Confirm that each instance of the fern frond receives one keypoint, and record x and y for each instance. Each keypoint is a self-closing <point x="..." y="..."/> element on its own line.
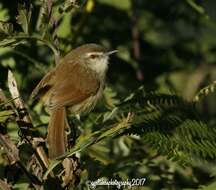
<point x="178" y="140"/>
<point x="153" y="99"/>
<point x="170" y="125"/>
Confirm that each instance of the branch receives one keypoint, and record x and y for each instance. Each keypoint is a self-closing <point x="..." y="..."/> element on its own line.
<point x="19" y="104"/>
<point x="25" y="117"/>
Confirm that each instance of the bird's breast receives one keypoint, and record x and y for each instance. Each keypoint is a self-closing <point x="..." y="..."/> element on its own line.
<point x="88" y="104"/>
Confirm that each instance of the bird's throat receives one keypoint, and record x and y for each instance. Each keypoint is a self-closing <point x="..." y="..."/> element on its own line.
<point x="100" y="67"/>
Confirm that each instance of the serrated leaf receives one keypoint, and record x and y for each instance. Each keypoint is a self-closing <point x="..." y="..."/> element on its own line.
<point x="68" y="6"/>
<point x="44" y="16"/>
<point x="6" y="29"/>
<point x="24" y="18"/>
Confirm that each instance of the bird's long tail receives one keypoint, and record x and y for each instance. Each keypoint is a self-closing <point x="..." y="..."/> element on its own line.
<point x="56" y="132"/>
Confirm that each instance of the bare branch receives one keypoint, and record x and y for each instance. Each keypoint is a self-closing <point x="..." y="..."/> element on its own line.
<point x="24" y="116"/>
<point x="19" y="104"/>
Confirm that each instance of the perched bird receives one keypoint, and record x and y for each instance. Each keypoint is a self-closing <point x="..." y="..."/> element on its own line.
<point x="77" y="83"/>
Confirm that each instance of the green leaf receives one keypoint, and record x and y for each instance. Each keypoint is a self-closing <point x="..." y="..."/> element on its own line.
<point x="6" y="29"/>
<point x="19" y="186"/>
<point x="100" y="152"/>
<point x="84" y="141"/>
<point x="196" y="7"/>
<point x="4" y="16"/>
<point x="24" y="18"/>
<point x="44" y="17"/>
<point x="8" y="42"/>
<point x="120" y="4"/>
<point x="4" y="115"/>
<point x="63" y="30"/>
<point x="110" y="115"/>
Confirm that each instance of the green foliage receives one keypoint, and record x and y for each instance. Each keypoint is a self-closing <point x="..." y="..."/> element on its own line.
<point x="154" y="122"/>
<point x="4" y="115"/>
<point x="24" y="18"/>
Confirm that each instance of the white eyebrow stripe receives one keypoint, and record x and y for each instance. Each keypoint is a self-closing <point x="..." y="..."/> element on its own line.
<point x="94" y="53"/>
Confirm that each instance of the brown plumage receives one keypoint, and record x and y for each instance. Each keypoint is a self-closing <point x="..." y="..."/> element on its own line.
<point x="76" y="83"/>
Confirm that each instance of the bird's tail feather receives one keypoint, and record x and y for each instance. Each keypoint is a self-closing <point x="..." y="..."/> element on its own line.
<point x="56" y="133"/>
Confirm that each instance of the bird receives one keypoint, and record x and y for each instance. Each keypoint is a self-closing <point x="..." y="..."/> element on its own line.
<point x="76" y="83"/>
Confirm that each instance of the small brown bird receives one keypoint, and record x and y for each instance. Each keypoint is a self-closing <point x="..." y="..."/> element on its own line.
<point x="76" y="82"/>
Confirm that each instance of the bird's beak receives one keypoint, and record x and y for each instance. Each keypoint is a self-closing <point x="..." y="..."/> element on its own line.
<point x="111" y="52"/>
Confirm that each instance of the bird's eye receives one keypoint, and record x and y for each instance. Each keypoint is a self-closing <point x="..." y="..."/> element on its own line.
<point x="93" y="56"/>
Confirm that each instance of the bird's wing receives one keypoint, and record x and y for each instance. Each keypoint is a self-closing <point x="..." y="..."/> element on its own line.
<point x="73" y="86"/>
<point x="44" y="85"/>
<point x="49" y="79"/>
